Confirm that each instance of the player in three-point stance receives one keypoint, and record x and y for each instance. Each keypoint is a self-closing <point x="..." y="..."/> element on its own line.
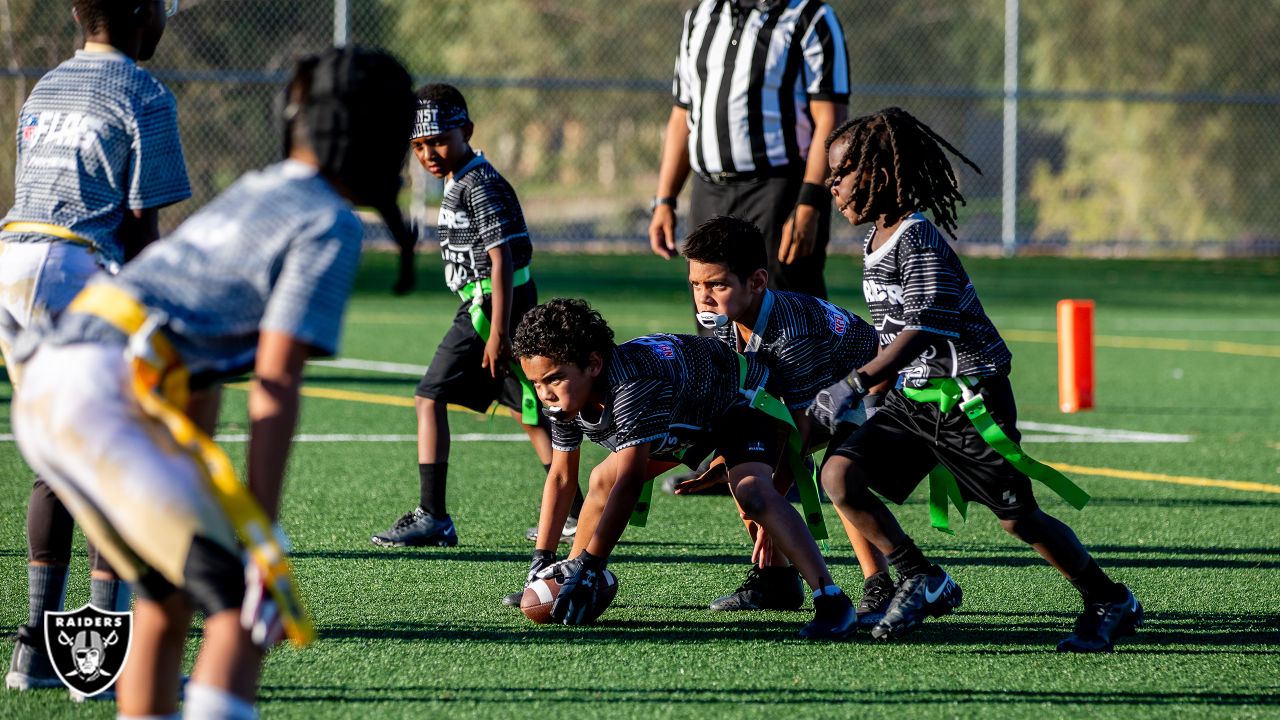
<point x="807" y="343"/>
<point x="953" y="406"/>
<point x="256" y="280"/>
<point x="487" y="255"/>
<point x="97" y="156"/>
<point x="654" y="402"/>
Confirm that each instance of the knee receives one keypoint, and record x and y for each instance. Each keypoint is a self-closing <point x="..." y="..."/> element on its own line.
<point x="1026" y="528"/>
<point x="842" y="481"/>
<point x="751" y="494"/>
<point x="600" y="484"/>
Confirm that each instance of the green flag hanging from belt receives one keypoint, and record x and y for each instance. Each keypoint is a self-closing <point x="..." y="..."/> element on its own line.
<point x="950" y="392"/>
<point x="475" y="292"/>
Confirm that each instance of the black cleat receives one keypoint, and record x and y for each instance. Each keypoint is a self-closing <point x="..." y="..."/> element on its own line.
<point x="513" y="599"/>
<point x="417" y="529"/>
<point x="877" y="592"/>
<point x="918" y="597"/>
<point x="1101" y="624"/>
<point x="29" y="666"/>
<point x="833" y="618"/>
<point x="566" y="535"/>
<point x="771" y="588"/>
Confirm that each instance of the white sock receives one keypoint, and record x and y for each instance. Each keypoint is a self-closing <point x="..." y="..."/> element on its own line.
<point x="206" y="702"/>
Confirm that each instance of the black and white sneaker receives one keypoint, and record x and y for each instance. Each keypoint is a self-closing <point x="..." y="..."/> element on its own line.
<point x="566" y="535"/>
<point x="1101" y="624"/>
<point x="418" y="529"/>
<point x="771" y="588"/>
<point x="877" y="592"/>
<point x="29" y="666"/>
<point x="833" y="618"/>
<point x="918" y="597"/>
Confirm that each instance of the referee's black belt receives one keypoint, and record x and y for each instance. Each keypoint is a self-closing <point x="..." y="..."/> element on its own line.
<point x="730" y="178"/>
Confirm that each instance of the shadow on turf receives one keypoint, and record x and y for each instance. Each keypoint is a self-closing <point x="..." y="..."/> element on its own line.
<point x="759" y="696"/>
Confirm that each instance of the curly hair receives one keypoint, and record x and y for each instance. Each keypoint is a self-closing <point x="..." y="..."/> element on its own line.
<point x="115" y="16"/>
<point x="910" y="153"/>
<point x="727" y="240"/>
<point x="563" y="330"/>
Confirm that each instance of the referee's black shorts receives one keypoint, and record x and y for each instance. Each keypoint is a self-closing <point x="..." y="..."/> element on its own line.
<point x="905" y="439"/>
<point x="455" y="374"/>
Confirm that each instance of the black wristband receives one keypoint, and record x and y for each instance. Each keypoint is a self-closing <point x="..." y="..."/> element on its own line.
<point x="813" y="195"/>
<point x="667" y="200"/>
<point x="855" y="381"/>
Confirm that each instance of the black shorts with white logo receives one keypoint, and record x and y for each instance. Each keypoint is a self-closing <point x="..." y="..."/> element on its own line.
<point x="455" y="374"/>
<point x="906" y="439"/>
<point x="741" y="435"/>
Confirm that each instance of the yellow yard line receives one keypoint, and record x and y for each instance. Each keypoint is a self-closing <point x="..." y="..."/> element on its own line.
<point x="1162" y="478"/>
<point x="1154" y="343"/>
<point x="348" y="395"/>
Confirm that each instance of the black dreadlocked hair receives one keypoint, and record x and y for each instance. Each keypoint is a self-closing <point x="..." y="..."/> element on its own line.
<point x="565" y="331"/>
<point x="910" y="154"/>
<point x="727" y="240"/>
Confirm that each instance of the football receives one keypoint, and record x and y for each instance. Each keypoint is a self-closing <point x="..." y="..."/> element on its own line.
<point x="541" y="594"/>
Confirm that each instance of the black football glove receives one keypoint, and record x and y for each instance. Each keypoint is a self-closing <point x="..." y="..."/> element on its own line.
<point x="542" y="559"/>
<point x="577" y="596"/>
<point x="836" y="400"/>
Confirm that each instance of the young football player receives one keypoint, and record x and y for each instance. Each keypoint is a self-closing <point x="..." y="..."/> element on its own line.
<point x="97" y="156"/>
<point x="807" y="343"/>
<point x="486" y="251"/>
<point x="953" y="404"/>
<point x="654" y="402"/>
<point x="257" y="280"/>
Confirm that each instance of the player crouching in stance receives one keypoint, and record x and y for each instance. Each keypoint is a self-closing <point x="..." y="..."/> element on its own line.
<point x="806" y="343"/>
<point x="654" y="402"/>
<point x="258" y="279"/>
<point x="953" y="407"/>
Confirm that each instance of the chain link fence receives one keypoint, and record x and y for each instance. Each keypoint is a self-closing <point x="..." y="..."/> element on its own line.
<point x="1133" y="126"/>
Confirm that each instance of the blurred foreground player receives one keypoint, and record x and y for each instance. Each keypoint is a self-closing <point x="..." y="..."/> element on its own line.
<point x="257" y="280"/>
<point x="98" y="155"/>
<point x="952" y="415"/>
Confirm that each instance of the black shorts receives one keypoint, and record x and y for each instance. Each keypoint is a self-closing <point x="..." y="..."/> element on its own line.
<point x="455" y="374"/>
<point x="905" y="439"/>
<point x="741" y="435"/>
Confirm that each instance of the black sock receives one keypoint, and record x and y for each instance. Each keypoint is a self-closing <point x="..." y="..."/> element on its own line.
<point x="908" y="560"/>
<point x="1095" y="586"/>
<point x="576" y="508"/>
<point x="431" y="482"/>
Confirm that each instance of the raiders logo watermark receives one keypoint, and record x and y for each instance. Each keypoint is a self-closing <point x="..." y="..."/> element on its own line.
<point x="88" y="647"/>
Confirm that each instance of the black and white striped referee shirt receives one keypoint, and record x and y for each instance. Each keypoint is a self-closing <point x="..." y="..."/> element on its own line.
<point x="746" y="76"/>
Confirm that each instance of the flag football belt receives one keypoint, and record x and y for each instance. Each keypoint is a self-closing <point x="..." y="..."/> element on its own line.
<point x="806" y="477"/>
<point x="475" y="292"/>
<point x="950" y="392"/>
<point x="61" y="233"/>
<point x="160" y="385"/>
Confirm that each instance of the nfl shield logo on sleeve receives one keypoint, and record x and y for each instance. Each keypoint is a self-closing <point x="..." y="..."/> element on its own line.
<point x="88" y="647"/>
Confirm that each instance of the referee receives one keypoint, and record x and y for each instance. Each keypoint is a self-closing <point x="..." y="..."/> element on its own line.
<point x="759" y="84"/>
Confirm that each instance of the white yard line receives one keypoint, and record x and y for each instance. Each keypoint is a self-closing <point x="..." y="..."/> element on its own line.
<point x="372" y="366"/>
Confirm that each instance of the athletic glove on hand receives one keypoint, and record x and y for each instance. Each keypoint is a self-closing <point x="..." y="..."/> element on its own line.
<point x="835" y="401"/>
<point x="542" y="559"/>
<point x="577" y="596"/>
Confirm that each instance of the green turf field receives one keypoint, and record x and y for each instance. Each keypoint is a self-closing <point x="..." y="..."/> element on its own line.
<point x="1185" y="348"/>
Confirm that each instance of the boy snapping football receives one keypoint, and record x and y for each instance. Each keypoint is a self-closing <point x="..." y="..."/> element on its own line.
<point x="654" y="402"/>
<point x="256" y="280"/>
<point x="953" y="406"/>
<point x="487" y="252"/>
